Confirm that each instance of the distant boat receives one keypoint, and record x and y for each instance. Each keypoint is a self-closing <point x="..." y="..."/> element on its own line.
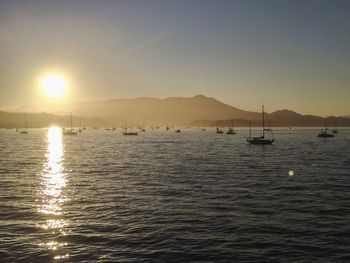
<point x="80" y="130"/>
<point x="178" y="130"/>
<point x="25" y="131"/>
<point x="324" y="132"/>
<point x="335" y="130"/>
<point x="231" y="130"/>
<point x="219" y="131"/>
<point x="261" y="140"/>
<point x="126" y="132"/>
<point x="143" y="128"/>
<point x="70" y="131"/>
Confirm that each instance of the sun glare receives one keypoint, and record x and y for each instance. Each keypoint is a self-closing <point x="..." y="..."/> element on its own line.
<point x="54" y="86"/>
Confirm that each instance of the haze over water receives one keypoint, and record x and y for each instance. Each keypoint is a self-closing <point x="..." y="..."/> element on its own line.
<point x="167" y="197"/>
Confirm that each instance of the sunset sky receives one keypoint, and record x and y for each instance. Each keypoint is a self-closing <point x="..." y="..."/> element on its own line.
<point x="285" y="54"/>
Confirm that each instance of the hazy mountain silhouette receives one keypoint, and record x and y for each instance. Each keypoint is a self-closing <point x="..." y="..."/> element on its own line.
<point x="171" y="111"/>
<point x="194" y="111"/>
<point x="175" y="111"/>
<point x="40" y="120"/>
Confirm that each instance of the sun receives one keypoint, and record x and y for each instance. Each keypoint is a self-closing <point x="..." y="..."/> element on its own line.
<point x="54" y="86"/>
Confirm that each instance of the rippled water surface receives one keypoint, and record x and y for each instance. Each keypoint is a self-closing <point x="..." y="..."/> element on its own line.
<point x="174" y="197"/>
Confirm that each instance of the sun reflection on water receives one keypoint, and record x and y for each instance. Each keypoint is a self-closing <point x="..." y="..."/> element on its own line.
<point x="52" y="194"/>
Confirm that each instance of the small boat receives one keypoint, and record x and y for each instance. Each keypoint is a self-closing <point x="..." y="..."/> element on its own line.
<point x="80" y="130"/>
<point x="261" y="140"/>
<point x="335" y="130"/>
<point x="126" y="132"/>
<point x="130" y="133"/>
<point x="178" y="130"/>
<point x="231" y="130"/>
<point x="25" y="131"/>
<point x="219" y="131"/>
<point x="70" y="131"/>
<point x="167" y="128"/>
<point x="324" y="132"/>
<point x="143" y="128"/>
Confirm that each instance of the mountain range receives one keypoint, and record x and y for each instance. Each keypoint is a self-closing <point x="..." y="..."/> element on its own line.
<point x="174" y="111"/>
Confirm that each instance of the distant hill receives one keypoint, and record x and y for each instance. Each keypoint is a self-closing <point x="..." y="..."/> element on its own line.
<point x="174" y="111"/>
<point x="280" y="118"/>
<point x="169" y="111"/>
<point x="40" y="120"/>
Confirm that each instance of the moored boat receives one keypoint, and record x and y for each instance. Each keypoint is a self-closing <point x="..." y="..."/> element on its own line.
<point x="261" y="140"/>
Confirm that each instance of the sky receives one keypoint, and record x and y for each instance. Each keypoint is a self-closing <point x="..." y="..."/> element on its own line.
<point x="284" y="54"/>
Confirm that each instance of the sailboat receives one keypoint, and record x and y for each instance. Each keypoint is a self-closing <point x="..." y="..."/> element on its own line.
<point x="143" y="128"/>
<point x="80" y="130"/>
<point x="261" y="140"/>
<point x="219" y="131"/>
<point x="25" y="131"/>
<point x="335" y="130"/>
<point x="70" y="131"/>
<point x="231" y="130"/>
<point x="324" y="133"/>
<point x="125" y="131"/>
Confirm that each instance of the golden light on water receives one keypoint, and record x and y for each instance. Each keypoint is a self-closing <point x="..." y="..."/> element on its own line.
<point x="52" y="195"/>
<point x="54" y="86"/>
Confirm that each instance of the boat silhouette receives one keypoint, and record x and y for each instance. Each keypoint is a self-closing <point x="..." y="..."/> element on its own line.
<point x="261" y="140"/>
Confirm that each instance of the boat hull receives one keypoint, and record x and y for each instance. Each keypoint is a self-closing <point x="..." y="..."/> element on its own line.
<point x="69" y="132"/>
<point x="322" y="135"/>
<point x="130" y="133"/>
<point x="260" y="141"/>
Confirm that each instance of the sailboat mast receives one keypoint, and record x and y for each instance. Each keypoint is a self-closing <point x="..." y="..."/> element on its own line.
<point x="25" y="117"/>
<point x="263" y="120"/>
<point x="71" y="121"/>
<point x="250" y="131"/>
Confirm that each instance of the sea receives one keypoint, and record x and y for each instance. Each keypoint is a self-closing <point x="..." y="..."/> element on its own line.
<point x="161" y="196"/>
